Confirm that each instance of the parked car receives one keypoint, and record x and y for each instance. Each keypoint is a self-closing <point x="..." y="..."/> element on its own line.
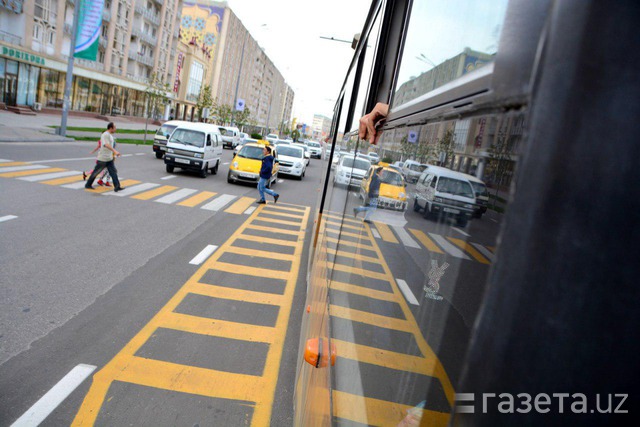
<point x="412" y="170"/>
<point x="245" y="166"/>
<point x="291" y="160"/>
<point x="307" y="155"/>
<point x="196" y="147"/>
<point x="393" y="194"/>
<point x="162" y="135"/>
<point x="351" y="170"/>
<point x="315" y="149"/>
<point x="441" y="192"/>
<point x="229" y="136"/>
<point x="481" y="193"/>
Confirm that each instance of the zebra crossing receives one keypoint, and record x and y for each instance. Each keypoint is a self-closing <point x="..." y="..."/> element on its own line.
<point x="146" y="191"/>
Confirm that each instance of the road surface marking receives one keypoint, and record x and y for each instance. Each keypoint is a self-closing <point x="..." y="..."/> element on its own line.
<point x="385" y="232"/>
<point x="4" y="160"/>
<point x="280" y="181"/>
<point x="12" y="163"/>
<point x="370" y="318"/>
<point x="76" y="185"/>
<point x="406" y="291"/>
<point x="169" y="177"/>
<point x="70" y="160"/>
<point x="461" y="232"/>
<point x="448" y="247"/>
<point x="50" y="176"/>
<point x="375" y="233"/>
<point x="140" y="154"/>
<point x="405" y="238"/>
<point x="484" y="251"/>
<point x="470" y="249"/>
<point x="204" y="254"/>
<point x="147" y="195"/>
<point x="197" y="199"/>
<point x="250" y="210"/>
<point x="494" y="220"/>
<point x="20" y="168"/>
<point x="125" y="183"/>
<point x="54" y="397"/>
<point x="133" y="190"/>
<point x="7" y="218"/>
<point x="30" y="172"/>
<point x="426" y="241"/>
<point x="218" y="203"/>
<point x="178" y="195"/>
<point x="225" y="163"/>
<point x="60" y="181"/>
<point x="241" y="205"/>
<point x="278" y="221"/>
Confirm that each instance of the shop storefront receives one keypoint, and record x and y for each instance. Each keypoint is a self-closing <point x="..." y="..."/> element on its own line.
<point x="19" y="72"/>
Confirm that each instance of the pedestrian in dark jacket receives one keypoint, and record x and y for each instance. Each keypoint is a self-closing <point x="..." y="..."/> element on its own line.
<point x="265" y="176"/>
<point x="374" y="193"/>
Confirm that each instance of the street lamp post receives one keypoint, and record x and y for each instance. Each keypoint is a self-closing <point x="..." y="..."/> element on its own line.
<point x="235" y="99"/>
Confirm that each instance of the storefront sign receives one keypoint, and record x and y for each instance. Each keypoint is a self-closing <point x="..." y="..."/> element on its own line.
<point x="88" y="31"/>
<point x="18" y="54"/>
<point x="176" y="83"/>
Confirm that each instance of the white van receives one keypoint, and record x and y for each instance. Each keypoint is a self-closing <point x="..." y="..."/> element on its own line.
<point x="443" y="192"/>
<point x="229" y="136"/>
<point x="196" y="147"/>
<point x="412" y="170"/>
<point x="481" y="193"/>
<point x="162" y="134"/>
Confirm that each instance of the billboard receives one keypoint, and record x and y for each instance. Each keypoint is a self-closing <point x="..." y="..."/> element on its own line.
<point x="88" y="30"/>
<point x="200" y="25"/>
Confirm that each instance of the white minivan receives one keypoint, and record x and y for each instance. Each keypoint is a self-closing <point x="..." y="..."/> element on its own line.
<point x="482" y="195"/>
<point x="441" y="192"/>
<point x="412" y="170"/>
<point x="196" y="147"/>
<point x="229" y="136"/>
<point x="162" y="135"/>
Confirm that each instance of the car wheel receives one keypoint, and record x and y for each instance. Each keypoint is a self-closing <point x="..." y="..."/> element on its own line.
<point x="159" y="154"/>
<point x="427" y="213"/>
<point x="204" y="172"/>
<point x="416" y="206"/>
<point x="462" y="221"/>
<point x="229" y="180"/>
<point x="169" y="169"/>
<point x="214" y="170"/>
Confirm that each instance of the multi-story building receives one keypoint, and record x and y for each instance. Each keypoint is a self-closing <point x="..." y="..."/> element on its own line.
<point x="137" y="41"/>
<point x="321" y="126"/>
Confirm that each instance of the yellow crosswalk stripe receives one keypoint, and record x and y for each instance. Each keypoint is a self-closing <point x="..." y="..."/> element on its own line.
<point x="154" y="193"/>
<point x="241" y="205"/>
<point x="259" y="239"/>
<point x="60" y="181"/>
<point x="197" y="199"/>
<point x="360" y="290"/>
<point x="360" y="271"/>
<point x="385" y="232"/>
<point x="125" y="183"/>
<point x="355" y="256"/>
<point x="362" y="235"/>
<point x="470" y="249"/>
<point x="217" y="328"/>
<point x="30" y="172"/>
<point x="283" y="214"/>
<point x="370" y="318"/>
<point x="273" y="229"/>
<point x="491" y="248"/>
<point x="342" y="218"/>
<point x="252" y="271"/>
<point x="260" y="254"/>
<point x="361" y="244"/>
<point x="8" y="164"/>
<point x="349" y="226"/>
<point x="224" y="292"/>
<point x="426" y="241"/>
<point x="286" y="207"/>
<point x="277" y="221"/>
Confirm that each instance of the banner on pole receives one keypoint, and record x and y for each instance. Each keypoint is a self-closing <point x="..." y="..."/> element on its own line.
<point x="88" y="30"/>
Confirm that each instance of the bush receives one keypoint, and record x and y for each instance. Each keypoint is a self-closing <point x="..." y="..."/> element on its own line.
<point x="387" y="160"/>
<point x="256" y="136"/>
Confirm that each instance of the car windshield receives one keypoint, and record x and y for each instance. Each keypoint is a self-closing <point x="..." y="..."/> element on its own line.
<point x="227" y="132"/>
<point x="313" y="144"/>
<point x="479" y="188"/>
<point x="373" y="154"/>
<point x="456" y="187"/>
<point x="417" y="168"/>
<point x="165" y="130"/>
<point x="251" y="152"/>
<point x="188" y="137"/>
<point x="391" y="178"/>
<point x="304" y="147"/>
<point x="287" y="150"/>
<point x="350" y="162"/>
<point x="282" y="141"/>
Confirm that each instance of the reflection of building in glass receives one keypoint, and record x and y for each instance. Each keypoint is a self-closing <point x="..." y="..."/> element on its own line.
<point x="321" y="126"/>
<point x="441" y="74"/>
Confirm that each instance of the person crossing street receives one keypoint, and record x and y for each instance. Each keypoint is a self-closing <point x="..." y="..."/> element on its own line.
<point x="265" y="176"/>
<point x="106" y="154"/>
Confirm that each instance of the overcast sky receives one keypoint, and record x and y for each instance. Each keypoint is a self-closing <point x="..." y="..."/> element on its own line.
<point x="315" y="68"/>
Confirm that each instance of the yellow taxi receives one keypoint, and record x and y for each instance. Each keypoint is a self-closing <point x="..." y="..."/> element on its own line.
<point x="246" y="164"/>
<point x="393" y="194"/>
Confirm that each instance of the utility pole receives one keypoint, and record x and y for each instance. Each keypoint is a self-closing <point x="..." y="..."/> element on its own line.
<point x="69" y="77"/>
<point x="235" y="99"/>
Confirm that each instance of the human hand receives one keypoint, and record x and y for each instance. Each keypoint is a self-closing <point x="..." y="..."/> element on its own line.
<point x="117" y="154"/>
<point x="367" y="129"/>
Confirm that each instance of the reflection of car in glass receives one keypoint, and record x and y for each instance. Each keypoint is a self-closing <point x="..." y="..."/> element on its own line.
<point x="443" y="192"/>
<point x="291" y="160"/>
<point x="162" y="134"/>
<point x="393" y="194"/>
<point x="481" y="193"/>
<point x="412" y="170"/>
<point x="336" y="157"/>
<point x="196" y="147"/>
<point x="315" y="149"/>
<point x="350" y="170"/>
<point x="375" y="159"/>
<point x="272" y="137"/>
<point x="246" y="165"/>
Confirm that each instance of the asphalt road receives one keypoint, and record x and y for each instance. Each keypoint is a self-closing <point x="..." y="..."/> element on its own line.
<point x="106" y="281"/>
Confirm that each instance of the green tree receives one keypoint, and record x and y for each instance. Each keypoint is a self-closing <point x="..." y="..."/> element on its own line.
<point x="223" y="112"/>
<point x="205" y="100"/>
<point x="156" y="97"/>
<point x="243" y="117"/>
<point x="444" y="148"/>
<point x="499" y="160"/>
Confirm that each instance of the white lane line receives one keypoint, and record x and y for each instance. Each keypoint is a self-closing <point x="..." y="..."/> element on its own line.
<point x="35" y="178"/>
<point x="404" y="236"/>
<point x="22" y="168"/>
<point x="132" y="190"/>
<point x="219" y="202"/>
<point x="375" y="233"/>
<point x="175" y="196"/>
<point x="461" y="232"/>
<point x="250" y="210"/>
<point x="5" y="160"/>
<point x="169" y="177"/>
<point x="76" y="185"/>
<point x="406" y="291"/>
<point x="494" y="220"/>
<point x="7" y="218"/>
<point x="140" y="154"/>
<point x="226" y="163"/>
<point x="204" y="254"/>
<point x="54" y="397"/>
<point x="484" y="251"/>
<point x="280" y="181"/>
<point x="71" y="160"/>
<point x="444" y="243"/>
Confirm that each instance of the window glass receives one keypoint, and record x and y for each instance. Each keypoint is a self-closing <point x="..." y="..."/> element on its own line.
<point x="188" y="137"/>
<point x="350" y="162"/>
<point x="251" y="152"/>
<point x="165" y="130"/>
<point x="445" y="41"/>
<point x="291" y="151"/>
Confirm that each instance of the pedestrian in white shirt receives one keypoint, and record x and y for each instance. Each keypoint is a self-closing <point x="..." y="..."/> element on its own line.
<point x="106" y="154"/>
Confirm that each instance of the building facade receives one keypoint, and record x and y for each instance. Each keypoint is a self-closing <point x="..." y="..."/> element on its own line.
<point x="321" y="126"/>
<point x="137" y="41"/>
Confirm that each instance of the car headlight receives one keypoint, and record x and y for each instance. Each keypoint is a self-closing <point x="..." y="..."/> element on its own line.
<point x="197" y="155"/>
<point x="235" y="165"/>
<point x="402" y="195"/>
<point x="438" y="199"/>
<point x="170" y="150"/>
<point x="298" y="165"/>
